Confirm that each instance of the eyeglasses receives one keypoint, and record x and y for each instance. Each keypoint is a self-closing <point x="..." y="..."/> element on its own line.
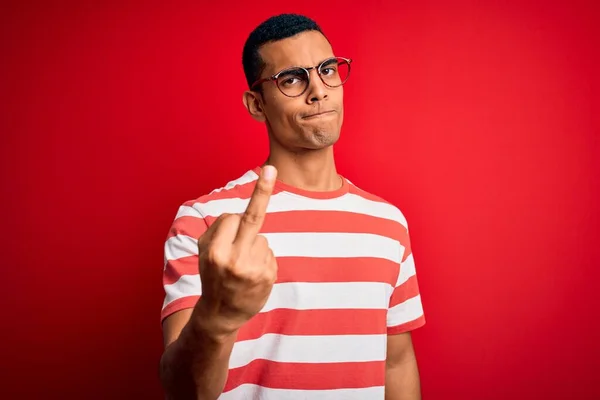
<point x="294" y="81"/>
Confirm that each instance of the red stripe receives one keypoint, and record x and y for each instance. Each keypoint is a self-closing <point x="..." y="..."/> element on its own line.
<point x="242" y="191"/>
<point x="301" y="322"/>
<point x="366" y="195"/>
<point x="333" y="221"/>
<point x="190" y="226"/>
<point x="304" y="269"/>
<point x="315" y="322"/>
<point x="175" y="269"/>
<point x="190" y="203"/>
<point x="407" y="252"/>
<point x="405" y="237"/>
<point x="308" y="376"/>
<point x="355" y="269"/>
<point x="308" y="221"/>
<point x="407" y="290"/>
<point x="178" y="305"/>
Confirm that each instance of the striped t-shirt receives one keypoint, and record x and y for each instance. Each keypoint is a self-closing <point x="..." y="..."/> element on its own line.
<point x="346" y="279"/>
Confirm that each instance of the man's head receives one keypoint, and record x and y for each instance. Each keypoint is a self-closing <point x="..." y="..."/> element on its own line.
<point x="303" y="111"/>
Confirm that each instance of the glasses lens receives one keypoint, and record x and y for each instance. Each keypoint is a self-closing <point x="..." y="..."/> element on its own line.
<point x="293" y="82"/>
<point x="335" y="72"/>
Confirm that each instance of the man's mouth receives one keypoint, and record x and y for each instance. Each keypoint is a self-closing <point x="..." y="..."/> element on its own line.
<point x="319" y="114"/>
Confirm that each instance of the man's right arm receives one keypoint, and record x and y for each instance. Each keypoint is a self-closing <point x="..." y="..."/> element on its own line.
<point x="237" y="270"/>
<point x="195" y="362"/>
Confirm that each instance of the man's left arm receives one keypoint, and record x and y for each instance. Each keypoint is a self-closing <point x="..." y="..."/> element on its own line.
<point x="402" y="373"/>
<point x="405" y="314"/>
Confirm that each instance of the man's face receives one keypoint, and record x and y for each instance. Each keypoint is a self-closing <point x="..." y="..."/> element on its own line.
<point x="314" y="119"/>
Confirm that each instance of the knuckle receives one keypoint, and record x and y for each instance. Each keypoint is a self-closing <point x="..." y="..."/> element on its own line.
<point x="272" y="277"/>
<point x="252" y="218"/>
<point x="232" y="216"/>
<point x="215" y="255"/>
<point x="239" y="270"/>
<point x="237" y="266"/>
<point x="262" y="188"/>
<point x="236" y="259"/>
<point x="227" y="217"/>
<point x="220" y="219"/>
<point x="201" y="243"/>
<point x="261" y="241"/>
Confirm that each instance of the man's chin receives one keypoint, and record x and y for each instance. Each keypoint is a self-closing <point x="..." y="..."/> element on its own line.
<point x="324" y="139"/>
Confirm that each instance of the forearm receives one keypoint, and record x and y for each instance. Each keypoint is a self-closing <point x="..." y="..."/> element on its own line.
<point x="403" y="381"/>
<point x="195" y="366"/>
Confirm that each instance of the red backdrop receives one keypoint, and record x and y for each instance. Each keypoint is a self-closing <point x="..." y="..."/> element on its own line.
<point x="479" y="121"/>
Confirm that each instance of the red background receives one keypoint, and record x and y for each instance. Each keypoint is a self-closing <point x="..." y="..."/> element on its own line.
<point x="479" y="120"/>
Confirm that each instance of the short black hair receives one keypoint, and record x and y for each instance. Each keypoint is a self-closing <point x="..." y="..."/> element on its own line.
<point x="275" y="28"/>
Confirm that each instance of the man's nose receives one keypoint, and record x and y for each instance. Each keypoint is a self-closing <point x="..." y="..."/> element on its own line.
<point x="317" y="90"/>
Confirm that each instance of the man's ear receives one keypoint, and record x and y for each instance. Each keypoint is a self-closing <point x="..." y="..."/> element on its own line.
<point x="254" y="105"/>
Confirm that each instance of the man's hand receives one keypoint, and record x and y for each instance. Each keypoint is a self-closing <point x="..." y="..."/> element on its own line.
<point x="237" y="270"/>
<point x="237" y="267"/>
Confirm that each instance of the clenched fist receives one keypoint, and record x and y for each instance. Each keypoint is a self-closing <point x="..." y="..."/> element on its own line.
<point x="237" y="267"/>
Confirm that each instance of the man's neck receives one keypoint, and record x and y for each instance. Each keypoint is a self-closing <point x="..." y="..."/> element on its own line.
<point x="310" y="170"/>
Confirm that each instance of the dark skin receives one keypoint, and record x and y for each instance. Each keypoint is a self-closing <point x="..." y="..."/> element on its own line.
<point x="301" y="143"/>
<point x="238" y="268"/>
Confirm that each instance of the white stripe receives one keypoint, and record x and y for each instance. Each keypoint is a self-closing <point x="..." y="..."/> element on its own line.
<point x="407" y="269"/>
<point x="309" y="349"/>
<point x="305" y="295"/>
<point x="283" y="201"/>
<point x="187" y="285"/>
<point x="179" y="246"/>
<point x="319" y="244"/>
<point x="187" y="211"/>
<point x="253" y="392"/>
<point x="405" y="312"/>
<point x="307" y="244"/>
<point x="190" y="211"/>
<point x="327" y="295"/>
<point x="246" y="178"/>
<point x="302" y="295"/>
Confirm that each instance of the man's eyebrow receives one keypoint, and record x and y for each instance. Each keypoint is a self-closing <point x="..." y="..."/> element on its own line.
<point x="330" y="60"/>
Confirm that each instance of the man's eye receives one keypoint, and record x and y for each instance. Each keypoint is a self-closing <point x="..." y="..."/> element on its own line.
<point x="291" y="81"/>
<point x="293" y="78"/>
<point x="328" y="70"/>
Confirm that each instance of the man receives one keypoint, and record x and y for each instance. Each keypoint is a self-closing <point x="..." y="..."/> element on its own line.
<point x="290" y="282"/>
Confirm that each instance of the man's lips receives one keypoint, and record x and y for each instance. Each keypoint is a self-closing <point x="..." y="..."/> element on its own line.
<point x="319" y="114"/>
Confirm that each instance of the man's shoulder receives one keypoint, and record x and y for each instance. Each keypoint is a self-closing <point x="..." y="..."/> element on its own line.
<point x="373" y="200"/>
<point x="222" y="199"/>
<point x="359" y="191"/>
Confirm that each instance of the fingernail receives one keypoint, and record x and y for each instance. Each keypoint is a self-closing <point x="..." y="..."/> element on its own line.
<point x="269" y="172"/>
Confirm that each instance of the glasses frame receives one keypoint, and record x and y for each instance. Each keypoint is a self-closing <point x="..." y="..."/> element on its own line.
<point x="274" y="78"/>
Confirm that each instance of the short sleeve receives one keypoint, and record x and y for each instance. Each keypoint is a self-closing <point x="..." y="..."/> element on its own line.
<point x="405" y="312"/>
<point x="181" y="278"/>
